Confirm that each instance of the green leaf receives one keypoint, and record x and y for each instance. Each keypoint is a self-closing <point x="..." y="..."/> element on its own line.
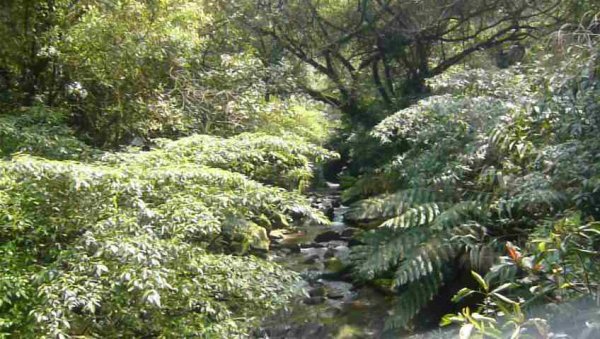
<point x="504" y="299"/>
<point x="463" y="293"/>
<point x="482" y="283"/>
<point x="503" y="287"/>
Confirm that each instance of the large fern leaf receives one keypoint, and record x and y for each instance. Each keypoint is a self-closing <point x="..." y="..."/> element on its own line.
<point x="424" y="261"/>
<point x="416" y="216"/>
<point x="383" y="249"/>
<point x="389" y="205"/>
<point x="413" y="299"/>
<point x="459" y="214"/>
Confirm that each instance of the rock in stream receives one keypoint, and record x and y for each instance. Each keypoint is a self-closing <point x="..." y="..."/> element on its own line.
<point x="332" y="306"/>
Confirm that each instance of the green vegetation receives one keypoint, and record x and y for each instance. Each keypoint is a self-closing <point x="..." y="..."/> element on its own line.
<point x="496" y="173"/>
<point x="149" y="148"/>
<point x="141" y="248"/>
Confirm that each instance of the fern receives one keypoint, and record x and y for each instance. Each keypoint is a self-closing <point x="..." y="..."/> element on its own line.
<point x="424" y="261"/>
<point x="415" y="216"/>
<point x="389" y="205"/>
<point x="413" y="299"/>
<point x="460" y="212"/>
<point x="382" y="250"/>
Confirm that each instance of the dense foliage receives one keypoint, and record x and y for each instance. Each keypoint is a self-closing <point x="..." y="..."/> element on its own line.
<point x="130" y="68"/>
<point x="143" y="244"/>
<point x="148" y="148"/>
<point x="39" y="131"/>
<point x="497" y="173"/>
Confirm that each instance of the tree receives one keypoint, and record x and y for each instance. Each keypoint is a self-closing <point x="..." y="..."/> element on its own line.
<point x="27" y="64"/>
<point x="375" y="54"/>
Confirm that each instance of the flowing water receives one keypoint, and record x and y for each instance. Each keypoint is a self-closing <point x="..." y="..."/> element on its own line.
<point x="332" y="306"/>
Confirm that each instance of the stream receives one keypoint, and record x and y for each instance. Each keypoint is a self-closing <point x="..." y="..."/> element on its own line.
<point x="332" y="306"/>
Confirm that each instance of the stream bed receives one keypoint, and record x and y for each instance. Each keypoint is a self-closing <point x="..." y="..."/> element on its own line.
<point x="332" y="306"/>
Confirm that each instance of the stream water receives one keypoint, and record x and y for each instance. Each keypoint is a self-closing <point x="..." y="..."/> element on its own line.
<point x="332" y="306"/>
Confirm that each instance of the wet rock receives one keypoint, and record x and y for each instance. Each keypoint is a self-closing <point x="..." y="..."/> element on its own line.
<point x="260" y="253"/>
<point x="334" y="265"/>
<point x="311" y="276"/>
<point x="328" y="236"/>
<point x="324" y="204"/>
<point x="312" y="245"/>
<point x="308" y="331"/>
<point x="355" y="242"/>
<point x="289" y="248"/>
<point x="312" y="251"/>
<point x="335" y="294"/>
<point x="329" y="254"/>
<point x="317" y="292"/>
<point x="333" y="185"/>
<point x="342" y="253"/>
<point x="329" y="212"/>
<point x="349" y="232"/>
<point x="335" y="243"/>
<point x="311" y="259"/>
<point x="277" y="234"/>
<point x="338" y="289"/>
<point x="314" y="300"/>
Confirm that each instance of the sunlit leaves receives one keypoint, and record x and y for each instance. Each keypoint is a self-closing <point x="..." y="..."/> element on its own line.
<point x="140" y="243"/>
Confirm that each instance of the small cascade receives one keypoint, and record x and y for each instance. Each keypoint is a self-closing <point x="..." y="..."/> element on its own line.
<point x="332" y="306"/>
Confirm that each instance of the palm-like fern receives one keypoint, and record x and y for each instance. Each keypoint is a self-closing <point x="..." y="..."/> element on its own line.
<point x="457" y="205"/>
<point x="416" y="240"/>
<point x="476" y="173"/>
<point x="414" y="296"/>
<point x="423" y="231"/>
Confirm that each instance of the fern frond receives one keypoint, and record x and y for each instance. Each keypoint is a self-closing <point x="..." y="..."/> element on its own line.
<point x="383" y="249"/>
<point x="481" y="257"/>
<point x="413" y="299"/>
<point x="460" y="213"/>
<point x="491" y="177"/>
<point x="389" y="205"/>
<point x="530" y="201"/>
<point x="507" y="140"/>
<point x="415" y="216"/>
<point x="478" y="251"/>
<point x="425" y="260"/>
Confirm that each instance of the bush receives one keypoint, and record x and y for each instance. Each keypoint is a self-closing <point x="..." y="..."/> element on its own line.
<point x="39" y="131"/>
<point x="149" y="244"/>
<point x="283" y="161"/>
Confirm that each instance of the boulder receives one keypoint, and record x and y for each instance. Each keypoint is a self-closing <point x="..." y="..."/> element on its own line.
<point x="308" y="251"/>
<point x="342" y="253"/>
<point x="318" y="291"/>
<point x="334" y="265"/>
<point x="349" y="232"/>
<point x="311" y="259"/>
<point x="312" y="245"/>
<point x="314" y="300"/>
<point x="258" y="237"/>
<point x="328" y="236"/>
<point x="338" y="289"/>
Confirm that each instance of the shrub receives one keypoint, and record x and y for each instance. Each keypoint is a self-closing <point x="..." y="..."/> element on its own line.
<point x="283" y="161"/>
<point x="39" y="131"/>
<point x="150" y="244"/>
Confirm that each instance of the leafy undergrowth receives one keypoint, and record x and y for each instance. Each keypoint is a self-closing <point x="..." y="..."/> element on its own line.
<point x="282" y="161"/>
<point x="149" y="244"/>
<point x="39" y="131"/>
